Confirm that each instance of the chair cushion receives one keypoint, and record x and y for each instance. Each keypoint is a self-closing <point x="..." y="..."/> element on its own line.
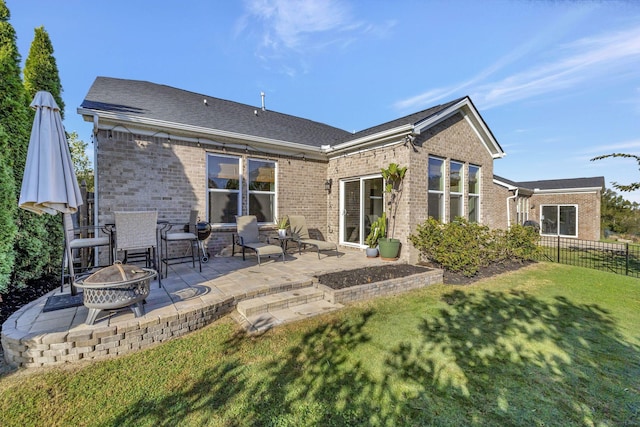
<point x="89" y="243"/>
<point x="320" y="244"/>
<point x="179" y="236"/>
<point x="264" y="248"/>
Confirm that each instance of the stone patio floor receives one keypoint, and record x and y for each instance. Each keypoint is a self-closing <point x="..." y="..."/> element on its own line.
<point x="185" y="288"/>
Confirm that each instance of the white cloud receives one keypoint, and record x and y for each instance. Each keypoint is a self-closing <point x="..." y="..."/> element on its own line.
<point x="287" y="23"/>
<point x="586" y="60"/>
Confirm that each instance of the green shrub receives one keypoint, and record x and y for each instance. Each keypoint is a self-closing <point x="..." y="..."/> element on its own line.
<point x="8" y="228"/>
<point x="466" y="246"/>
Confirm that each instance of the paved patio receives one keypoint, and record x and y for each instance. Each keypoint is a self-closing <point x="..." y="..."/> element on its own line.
<point x="187" y="301"/>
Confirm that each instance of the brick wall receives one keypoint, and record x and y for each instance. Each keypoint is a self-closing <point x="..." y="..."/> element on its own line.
<point x="588" y="210"/>
<point x="138" y="172"/>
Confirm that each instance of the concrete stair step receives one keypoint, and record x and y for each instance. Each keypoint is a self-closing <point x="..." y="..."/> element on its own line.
<point x="279" y="301"/>
<point x="260" y="322"/>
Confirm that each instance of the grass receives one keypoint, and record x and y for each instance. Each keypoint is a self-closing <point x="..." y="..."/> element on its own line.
<point x="548" y="345"/>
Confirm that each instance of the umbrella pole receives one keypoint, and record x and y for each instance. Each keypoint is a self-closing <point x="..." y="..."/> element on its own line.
<point x="68" y="256"/>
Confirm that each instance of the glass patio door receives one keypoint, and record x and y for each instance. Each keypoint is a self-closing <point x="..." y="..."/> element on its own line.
<point x="361" y="203"/>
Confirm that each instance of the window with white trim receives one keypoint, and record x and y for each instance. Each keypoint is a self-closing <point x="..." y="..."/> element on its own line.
<point x="473" y="186"/>
<point x="261" y="184"/>
<point x="223" y="188"/>
<point x="522" y="210"/>
<point x="456" y="190"/>
<point x="559" y="220"/>
<point x="436" y="188"/>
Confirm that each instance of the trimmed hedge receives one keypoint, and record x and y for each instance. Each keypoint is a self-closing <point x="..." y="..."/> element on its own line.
<point x="464" y="246"/>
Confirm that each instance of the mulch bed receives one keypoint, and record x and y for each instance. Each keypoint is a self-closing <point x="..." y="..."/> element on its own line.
<point x="361" y="276"/>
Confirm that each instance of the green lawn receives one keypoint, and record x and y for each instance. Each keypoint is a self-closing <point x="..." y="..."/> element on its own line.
<point x="549" y="345"/>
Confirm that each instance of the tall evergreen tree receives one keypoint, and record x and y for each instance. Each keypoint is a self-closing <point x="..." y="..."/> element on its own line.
<point x="30" y="258"/>
<point x="41" y="70"/>
<point x="8" y="209"/>
<point x="41" y="73"/>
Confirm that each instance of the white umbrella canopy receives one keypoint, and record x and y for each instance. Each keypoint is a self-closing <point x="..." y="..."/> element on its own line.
<point x="49" y="184"/>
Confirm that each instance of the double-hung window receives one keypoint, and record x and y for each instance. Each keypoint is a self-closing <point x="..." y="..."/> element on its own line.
<point x="474" y="193"/>
<point x="436" y="188"/>
<point x="223" y="188"/>
<point x="456" y="190"/>
<point x="262" y="189"/>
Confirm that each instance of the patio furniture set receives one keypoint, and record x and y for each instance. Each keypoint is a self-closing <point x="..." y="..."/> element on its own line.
<point x="137" y="236"/>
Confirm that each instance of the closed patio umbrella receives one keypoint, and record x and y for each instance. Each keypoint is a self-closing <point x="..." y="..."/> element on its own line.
<point x="49" y="184"/>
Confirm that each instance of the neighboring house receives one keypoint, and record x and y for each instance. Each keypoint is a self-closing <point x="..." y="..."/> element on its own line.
<point x="562" y="207"/>
<point x="158" y="147"/>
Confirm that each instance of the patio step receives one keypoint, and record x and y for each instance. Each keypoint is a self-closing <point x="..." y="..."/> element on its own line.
<point x="263" y="313"/>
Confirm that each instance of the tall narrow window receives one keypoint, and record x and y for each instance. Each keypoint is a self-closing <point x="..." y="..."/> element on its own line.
<point x="522" y="210"/>
<point x="262" y="190"/>
<point x="223" y="184"/>
<point x="436" y="188"/>
<point x="456" y="183"/>
<point x="474" y="193"/>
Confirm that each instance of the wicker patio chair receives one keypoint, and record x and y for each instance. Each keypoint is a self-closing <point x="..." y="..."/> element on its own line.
<point x="300" y="235"/>
<point x="136" y="232"/>
<point x="187" y="234"/>
<point x="248" y="236"/>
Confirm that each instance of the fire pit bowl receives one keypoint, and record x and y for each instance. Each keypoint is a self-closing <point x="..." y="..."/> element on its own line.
<point x="116" y="286"/>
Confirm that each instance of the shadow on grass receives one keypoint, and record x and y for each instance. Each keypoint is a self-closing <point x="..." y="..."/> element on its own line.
<point x="504" y="359"/>
<point x="488" y="358"/>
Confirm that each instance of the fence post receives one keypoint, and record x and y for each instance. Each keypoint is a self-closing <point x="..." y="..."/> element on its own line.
<point x="626" y="270"/>
<point x="558" y="249"/>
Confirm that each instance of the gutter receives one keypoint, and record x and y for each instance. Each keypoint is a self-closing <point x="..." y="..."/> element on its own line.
<point x="369" y="139"/>
<point x="195" y="130"/>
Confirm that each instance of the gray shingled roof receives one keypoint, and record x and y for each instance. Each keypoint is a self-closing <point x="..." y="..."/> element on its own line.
<point x="411" y="119"/>
<point x="557" y="184"/>
<point x="160" y="102"/>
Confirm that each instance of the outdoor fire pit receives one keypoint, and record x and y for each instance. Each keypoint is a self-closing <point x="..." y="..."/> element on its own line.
<point x="114" y="287"/>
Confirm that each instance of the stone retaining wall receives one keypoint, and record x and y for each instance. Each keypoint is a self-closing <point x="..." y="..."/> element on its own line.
<point x="383" y="288"/>
<point x="56" y="348"/>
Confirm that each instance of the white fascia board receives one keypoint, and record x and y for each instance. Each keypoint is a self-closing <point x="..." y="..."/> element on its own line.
<point x="472" y="116"/>
<point x="504" y="184"/>
<point x="373" y="138"/>
<point x="567" y="190"/>
<point x="168" y="127"/>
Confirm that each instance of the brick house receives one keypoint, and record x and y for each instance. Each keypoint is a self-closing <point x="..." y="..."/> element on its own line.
<point x="171" y="150"/>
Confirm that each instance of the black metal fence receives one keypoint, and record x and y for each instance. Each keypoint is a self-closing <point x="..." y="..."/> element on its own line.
<point x="620" y="258"/>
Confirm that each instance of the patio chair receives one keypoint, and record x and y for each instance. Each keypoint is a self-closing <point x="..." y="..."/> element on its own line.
<point x="71" y="243"/>
<point x="189" y="233"/>
<point x="137" y="232"/>
<point x="249" y="237"/>
<point x="300" y="234"/>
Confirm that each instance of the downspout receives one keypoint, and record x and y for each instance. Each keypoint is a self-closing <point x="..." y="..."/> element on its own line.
<point x="95" y="168"/>
<point x="508" y="209"/>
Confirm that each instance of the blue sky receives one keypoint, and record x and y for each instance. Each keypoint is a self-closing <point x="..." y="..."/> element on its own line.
<point x="557" y="82"/>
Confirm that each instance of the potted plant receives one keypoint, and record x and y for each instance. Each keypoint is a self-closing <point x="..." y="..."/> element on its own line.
<point x="393" y="176"/>
<point x="282" y="222"/>
<point x="378" y="229"/>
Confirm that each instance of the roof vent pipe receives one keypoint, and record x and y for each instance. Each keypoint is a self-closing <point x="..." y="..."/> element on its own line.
<point x="262" y="96"/>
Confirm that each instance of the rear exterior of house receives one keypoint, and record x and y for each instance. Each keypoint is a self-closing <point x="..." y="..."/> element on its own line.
<point x="563" y="207"/>
<point x="165" y="149"/>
